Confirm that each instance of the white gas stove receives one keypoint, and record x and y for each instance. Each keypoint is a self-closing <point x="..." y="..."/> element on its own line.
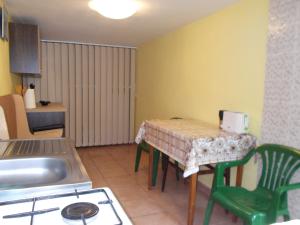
<point x="69" y="208"/>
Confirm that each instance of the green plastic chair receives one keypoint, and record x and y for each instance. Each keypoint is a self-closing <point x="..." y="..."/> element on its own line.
<point x="156" y="155"/>
<point x="269" y="200"/>
<point x="143" y="146"/>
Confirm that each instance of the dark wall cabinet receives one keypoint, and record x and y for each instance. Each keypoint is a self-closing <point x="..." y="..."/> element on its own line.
<point x="24" y="48"/>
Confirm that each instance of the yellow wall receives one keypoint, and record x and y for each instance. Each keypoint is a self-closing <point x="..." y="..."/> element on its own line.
<point x="214" y="63"/>
<point x="8" y="81"/>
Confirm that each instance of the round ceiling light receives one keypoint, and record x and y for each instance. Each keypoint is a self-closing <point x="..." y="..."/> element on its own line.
<point x="114" y="9"/>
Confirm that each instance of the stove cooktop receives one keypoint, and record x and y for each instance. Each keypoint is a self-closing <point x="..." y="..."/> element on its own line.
<point x="48" y="209"/>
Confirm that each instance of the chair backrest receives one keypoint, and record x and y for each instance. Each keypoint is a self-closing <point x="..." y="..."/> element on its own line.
<point x="7" y="103"/>
<point x="279" y="164"/>
<point x="16" y="118"/>
<point x="3" y="126"/>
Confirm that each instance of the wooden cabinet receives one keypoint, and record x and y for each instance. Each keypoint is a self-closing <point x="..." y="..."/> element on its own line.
<point x="24" y="48"/>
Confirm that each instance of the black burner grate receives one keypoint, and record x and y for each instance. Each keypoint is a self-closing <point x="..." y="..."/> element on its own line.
<point x="86" y="213"/>
<point x="78" y="210"/>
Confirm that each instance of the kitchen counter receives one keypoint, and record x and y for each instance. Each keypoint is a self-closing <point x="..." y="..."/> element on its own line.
<point x="52" y="107"/>
<point x="44" y="167"/>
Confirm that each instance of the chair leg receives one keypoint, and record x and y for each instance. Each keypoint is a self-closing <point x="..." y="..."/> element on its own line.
<point x="227" y="176"/>
<point x="163" y="166"/>
<point x="227" y="181"/>
<point x="286" y="217"/>
<point x="209" y="209"/>
<point x="156" y="155"/>
<point x="177" y="170"/>
<point x="258" y="221"/>
<point x="165" y="161"/>
<point x="138" y="158"/>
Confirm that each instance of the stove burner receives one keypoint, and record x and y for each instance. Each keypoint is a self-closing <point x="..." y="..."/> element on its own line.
<point x="78" y="210"/>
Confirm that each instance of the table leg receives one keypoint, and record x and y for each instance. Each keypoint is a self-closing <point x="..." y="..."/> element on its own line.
<point x="192" y="198"/>
<point x="239" y="176"/>
<point x="150" y="165"/>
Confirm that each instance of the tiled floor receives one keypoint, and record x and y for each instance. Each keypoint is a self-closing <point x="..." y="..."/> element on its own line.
<point x="113" y="167"/>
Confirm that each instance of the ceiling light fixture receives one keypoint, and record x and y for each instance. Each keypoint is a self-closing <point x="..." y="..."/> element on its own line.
<point x="114" y="9"/>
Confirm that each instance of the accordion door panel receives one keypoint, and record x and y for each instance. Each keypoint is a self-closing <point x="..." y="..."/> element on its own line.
<point x="96" y="84"/>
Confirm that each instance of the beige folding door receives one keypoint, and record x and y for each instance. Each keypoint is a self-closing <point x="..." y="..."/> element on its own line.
<point x="96" y="84"/>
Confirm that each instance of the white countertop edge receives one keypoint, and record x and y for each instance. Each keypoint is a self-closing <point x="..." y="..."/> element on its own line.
<point x="121" y="212"/>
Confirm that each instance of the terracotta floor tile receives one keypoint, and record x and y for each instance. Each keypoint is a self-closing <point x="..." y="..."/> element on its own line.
<point x="113" y="172"/>
<point x="122" y="181"/>
<point x="156" y="219"/>
<point x="101" y="152"/>
<point x="104" y="164"/>
<point x="141" y="207"/>
<point x="128" y="193"/>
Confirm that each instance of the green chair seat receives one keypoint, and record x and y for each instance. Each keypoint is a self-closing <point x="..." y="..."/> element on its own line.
<point x="244" y="202"/>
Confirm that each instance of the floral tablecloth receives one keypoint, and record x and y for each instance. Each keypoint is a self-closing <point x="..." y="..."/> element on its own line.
<point x="194" y="143"/>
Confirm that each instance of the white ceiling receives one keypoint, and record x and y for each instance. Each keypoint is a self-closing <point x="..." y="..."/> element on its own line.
<point x="73" y="20"/>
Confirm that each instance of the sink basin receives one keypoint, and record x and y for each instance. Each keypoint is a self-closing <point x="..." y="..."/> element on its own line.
<point x="31" y="168"/>
<point x="29" y="172"/>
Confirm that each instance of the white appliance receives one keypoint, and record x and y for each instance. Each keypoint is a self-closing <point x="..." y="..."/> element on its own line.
<point x="29" y="99"/>
<point x="236" y="122"/>
<point x="49" y="210"/>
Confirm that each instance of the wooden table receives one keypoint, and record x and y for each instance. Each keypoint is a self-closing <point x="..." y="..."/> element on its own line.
<point x="193" y="143"/>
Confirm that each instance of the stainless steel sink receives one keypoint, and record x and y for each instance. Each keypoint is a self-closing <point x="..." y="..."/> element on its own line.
<point x="29" y="168"/>
<point x="29" y="172"/>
